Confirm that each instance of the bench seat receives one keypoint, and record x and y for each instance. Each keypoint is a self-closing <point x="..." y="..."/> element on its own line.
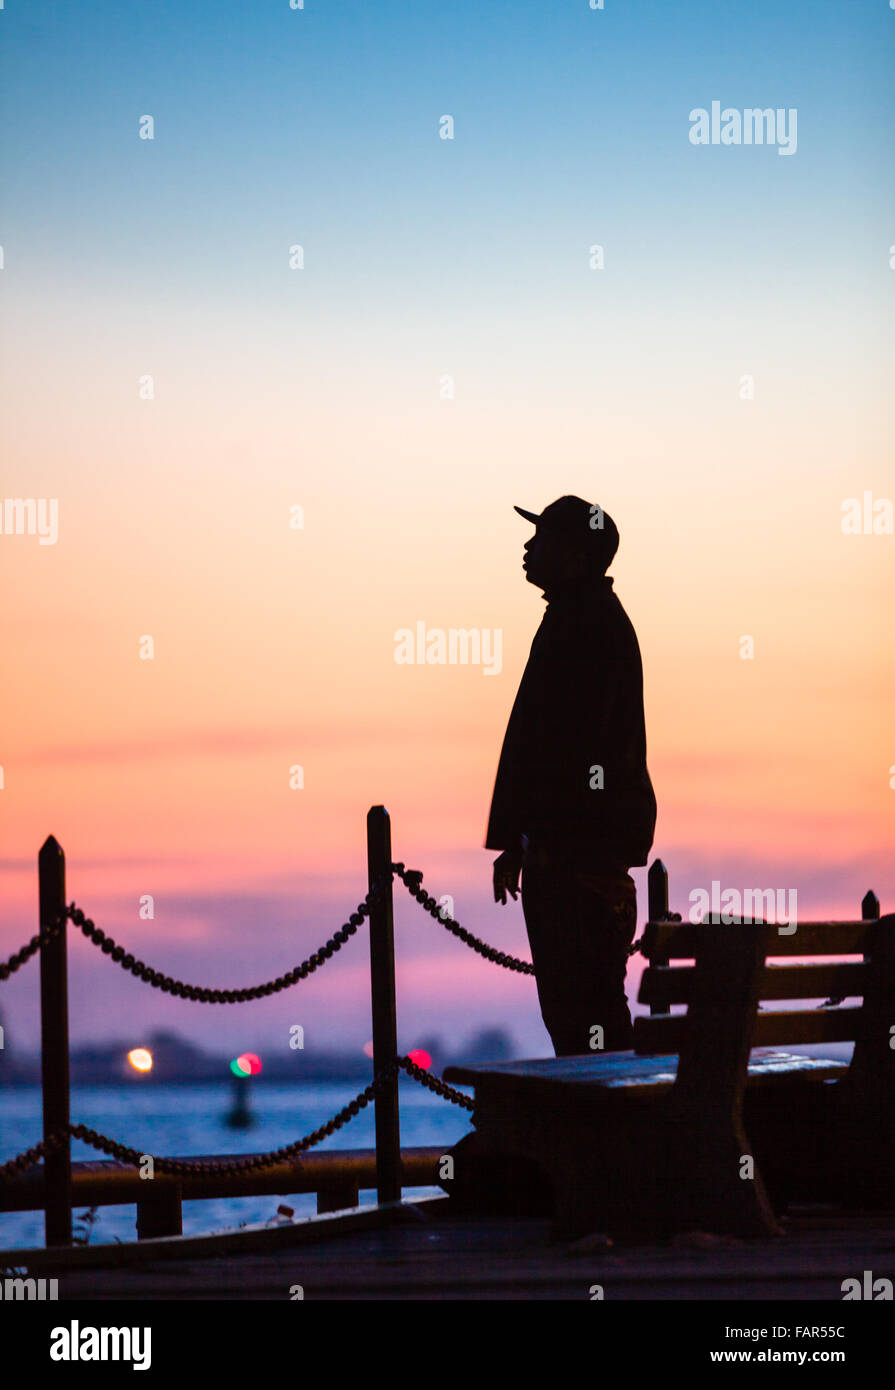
<point x="613" y="1070"/>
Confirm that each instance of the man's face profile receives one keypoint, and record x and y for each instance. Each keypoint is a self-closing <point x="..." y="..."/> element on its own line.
<point x="549" y="559"/>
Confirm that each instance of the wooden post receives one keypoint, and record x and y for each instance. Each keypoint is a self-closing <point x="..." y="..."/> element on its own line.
<point x="869" y="912"/>
<point x="162" y="1214"/>
<point x="337" y="1197"/>
<point x="657" y="910"/>
<point x="54" y="1043"/>
<point x="865" y="1140"/>
<point x="657" y="891"/>
<point x="701" y="1188"/>
<point x="382" y="987"/>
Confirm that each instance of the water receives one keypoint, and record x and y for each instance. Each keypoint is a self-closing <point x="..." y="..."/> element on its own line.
<point x="188" y="1120"/>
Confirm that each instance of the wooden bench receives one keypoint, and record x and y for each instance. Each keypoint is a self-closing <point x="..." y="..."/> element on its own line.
<point x="694" y="1129"/>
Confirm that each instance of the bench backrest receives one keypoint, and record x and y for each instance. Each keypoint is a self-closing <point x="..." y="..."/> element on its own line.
<point x="730" y="976"/>
<point x="737" y="952"/>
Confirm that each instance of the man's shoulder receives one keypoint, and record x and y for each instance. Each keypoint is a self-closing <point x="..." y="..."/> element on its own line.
<point x="601" y="628"/>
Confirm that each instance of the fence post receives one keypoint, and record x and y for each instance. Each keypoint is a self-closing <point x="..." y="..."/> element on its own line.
<point x="869" y="913"/>
<point x="657" y="891"/>
<point x="657" y="911"/>
<point x="382" y="987"/>
<point x="54" y="1043"/>
<point x="162" y="1215"/>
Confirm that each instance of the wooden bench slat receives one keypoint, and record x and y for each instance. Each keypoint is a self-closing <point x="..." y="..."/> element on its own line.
<point x="674" y="984"/>
<point x="678" y="940"/>
<point x="793" y="1026"/>
<point x="800" y="1026"/>
<point x="588" y="1067"/>
<point x="612" y="1071"/>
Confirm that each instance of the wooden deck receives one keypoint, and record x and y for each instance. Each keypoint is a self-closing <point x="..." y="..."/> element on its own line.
<point x="424" y="1252"/>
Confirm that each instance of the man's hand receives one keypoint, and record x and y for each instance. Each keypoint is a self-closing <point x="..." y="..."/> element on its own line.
<point x="507" y="867"/>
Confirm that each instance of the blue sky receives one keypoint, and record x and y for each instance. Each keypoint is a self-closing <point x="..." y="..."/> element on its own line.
<point x="571" y="126"/>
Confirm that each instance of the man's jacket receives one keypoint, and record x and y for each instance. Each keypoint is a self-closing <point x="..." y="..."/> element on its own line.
<point x="578" y="721"/>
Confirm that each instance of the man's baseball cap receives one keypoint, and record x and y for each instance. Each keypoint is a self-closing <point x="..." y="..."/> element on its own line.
<point x="577" y="520"/>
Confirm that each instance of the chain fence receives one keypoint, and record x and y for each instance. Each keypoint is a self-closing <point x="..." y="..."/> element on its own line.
<point x="201" y="995"/>
<point x="18" y="958"/>
<point x="228" y="1167"/>
<point x="412" y="880"/>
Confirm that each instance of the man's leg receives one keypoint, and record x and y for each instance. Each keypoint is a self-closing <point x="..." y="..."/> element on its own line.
<point x="580" y="926"/>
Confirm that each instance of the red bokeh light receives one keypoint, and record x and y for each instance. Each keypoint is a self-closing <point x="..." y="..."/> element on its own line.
<point x="420" y="1056"/>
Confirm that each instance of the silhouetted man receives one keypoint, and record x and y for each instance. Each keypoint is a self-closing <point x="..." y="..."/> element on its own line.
<point x="573" y="806"/>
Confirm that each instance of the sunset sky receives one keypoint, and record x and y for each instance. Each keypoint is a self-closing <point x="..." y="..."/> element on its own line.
<point x="323" y="388"/>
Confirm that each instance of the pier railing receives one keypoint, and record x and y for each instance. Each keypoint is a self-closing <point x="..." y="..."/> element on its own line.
<point x="160" y="1214"/>
<point x="336" y="1176"/>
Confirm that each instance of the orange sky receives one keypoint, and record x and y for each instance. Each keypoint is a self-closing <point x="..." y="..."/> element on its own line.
<point x="275" y="647"/>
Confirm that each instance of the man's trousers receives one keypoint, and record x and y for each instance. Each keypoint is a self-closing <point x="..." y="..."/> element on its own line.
<point x="580" y="924"/>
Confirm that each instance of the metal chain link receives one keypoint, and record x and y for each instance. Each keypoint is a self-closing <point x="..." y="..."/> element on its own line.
<point x="434" y="1083"/>
<point x="200" y="1167"/>
<point x="412" y="879"/>
<point x="226" y="1167"/>
<point x="18" y="958"/>
<point x="31" y="1156"/>
<point x="200" y="995"/>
